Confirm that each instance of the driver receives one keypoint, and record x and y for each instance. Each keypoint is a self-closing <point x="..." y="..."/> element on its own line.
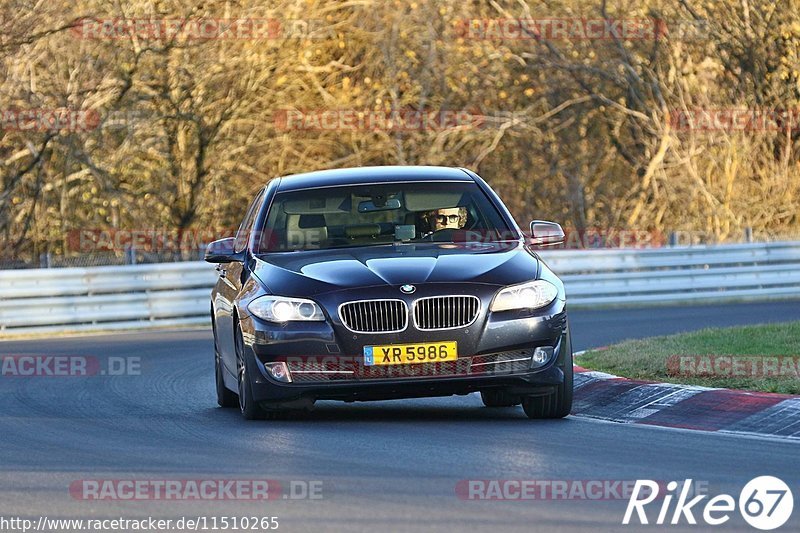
<point x="445" y="218"/>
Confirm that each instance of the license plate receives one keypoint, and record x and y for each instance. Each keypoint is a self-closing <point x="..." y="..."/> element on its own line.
<point x="407" y="354"/>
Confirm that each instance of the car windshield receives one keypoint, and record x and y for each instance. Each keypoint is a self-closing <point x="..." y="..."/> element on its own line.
<point x="365" y="215"/>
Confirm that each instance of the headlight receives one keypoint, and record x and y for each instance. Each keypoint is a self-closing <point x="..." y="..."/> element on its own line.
<point x="531" y="295"/>
<point x="280" y="309"/>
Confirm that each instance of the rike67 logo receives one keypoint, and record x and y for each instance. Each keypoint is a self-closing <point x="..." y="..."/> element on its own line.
<point x="765" y="503"/>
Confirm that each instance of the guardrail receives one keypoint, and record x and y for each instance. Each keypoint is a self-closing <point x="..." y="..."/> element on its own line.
<point x="108" y="297"/>
<point x="733" y="272"/>
<point x="177" y="294"/>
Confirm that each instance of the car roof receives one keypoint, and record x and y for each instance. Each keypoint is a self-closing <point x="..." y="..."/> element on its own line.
<point x="367" y="175"/>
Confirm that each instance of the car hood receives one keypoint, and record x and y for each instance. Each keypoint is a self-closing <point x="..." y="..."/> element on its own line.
<point x="306" y="273"/>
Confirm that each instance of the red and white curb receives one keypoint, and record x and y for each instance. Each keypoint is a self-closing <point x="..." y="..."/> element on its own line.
<point x="608" y="397"/>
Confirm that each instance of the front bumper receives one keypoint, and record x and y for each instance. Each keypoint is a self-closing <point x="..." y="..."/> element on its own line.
<point x="494" y="352"/>
<point x="541" y="382"/>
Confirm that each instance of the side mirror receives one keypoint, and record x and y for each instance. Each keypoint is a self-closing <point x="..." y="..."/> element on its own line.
<point x="545" y="233"/>
<point x="222" y="251"/>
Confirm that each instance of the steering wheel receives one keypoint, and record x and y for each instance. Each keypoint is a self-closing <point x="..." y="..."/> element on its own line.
<point x="440" y="235"/>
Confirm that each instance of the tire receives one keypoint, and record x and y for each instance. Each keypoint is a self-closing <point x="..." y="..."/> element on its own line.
<point x="558" y="404"/>
<point x="225" y="397"/>
<point x="499" y="398"/>
<point x="249" y="408"/>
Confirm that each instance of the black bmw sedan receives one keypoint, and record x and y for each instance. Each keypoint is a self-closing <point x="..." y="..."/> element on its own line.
<point x="387" y="282"/>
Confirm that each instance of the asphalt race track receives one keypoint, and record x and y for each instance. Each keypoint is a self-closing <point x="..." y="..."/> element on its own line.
<point x="391" y="466"/>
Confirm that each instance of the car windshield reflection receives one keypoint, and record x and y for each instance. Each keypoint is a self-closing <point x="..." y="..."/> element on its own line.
<point x="382" y="214"/>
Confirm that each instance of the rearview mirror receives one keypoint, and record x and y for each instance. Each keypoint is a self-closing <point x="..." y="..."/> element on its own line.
<point x="222" y="251"/>
<point x="545" y="233"/>
<point x="368" y="206"/>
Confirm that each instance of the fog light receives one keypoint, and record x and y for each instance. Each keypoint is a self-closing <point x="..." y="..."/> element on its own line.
<point x="541" y="355"/>
<point x="279" y="372"/>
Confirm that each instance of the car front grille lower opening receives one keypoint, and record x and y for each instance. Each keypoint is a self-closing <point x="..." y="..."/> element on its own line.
<point x="503" y="362"/>
<point x="352" y="368"/>
<point x="374" y="316"/>
<point x="445" y="312"/>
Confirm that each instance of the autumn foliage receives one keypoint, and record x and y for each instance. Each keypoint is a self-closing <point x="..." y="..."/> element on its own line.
<point x="654" y="116"/>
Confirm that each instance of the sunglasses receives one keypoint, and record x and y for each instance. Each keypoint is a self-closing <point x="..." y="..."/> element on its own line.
<point x="444" y="219"/>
